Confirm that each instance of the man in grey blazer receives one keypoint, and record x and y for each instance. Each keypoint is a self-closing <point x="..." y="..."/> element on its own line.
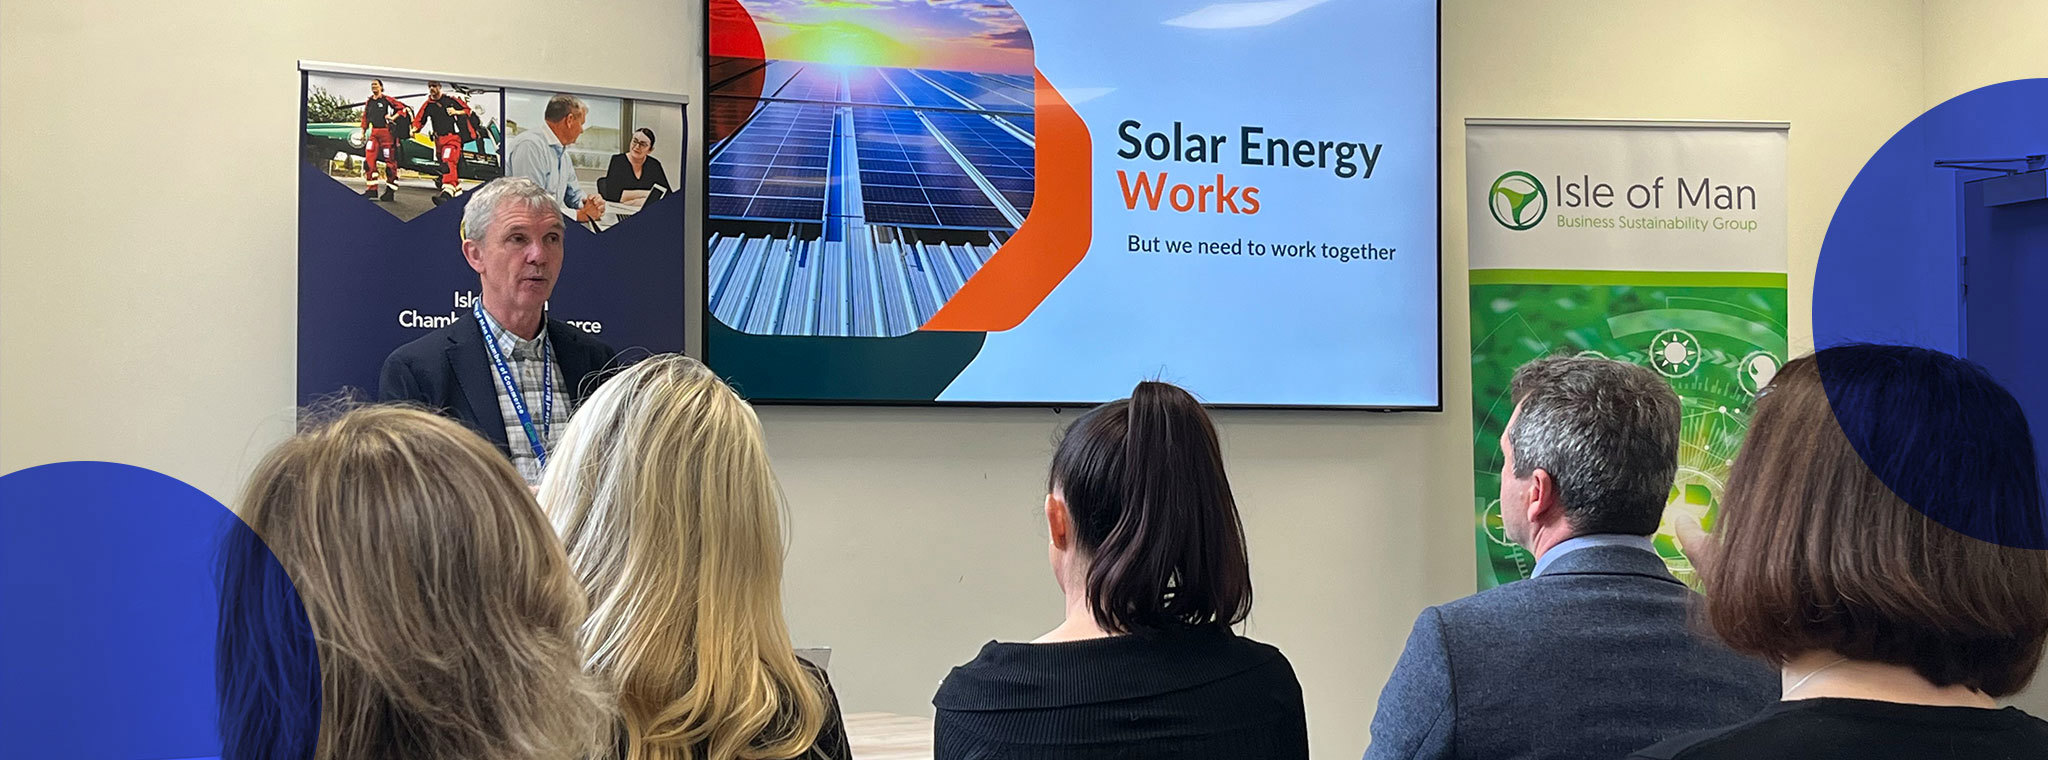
<point x="1596" y="655"/>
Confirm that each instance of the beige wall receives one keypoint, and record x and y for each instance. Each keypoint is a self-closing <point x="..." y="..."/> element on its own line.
<point x="148" y="256"/>
<point x="1972" y="43"/>
<point x="147" y="284"/>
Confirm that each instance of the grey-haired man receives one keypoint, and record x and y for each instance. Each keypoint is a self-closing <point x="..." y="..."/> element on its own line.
<point x="505" y="369"/>
<point x="1594" y="656"/>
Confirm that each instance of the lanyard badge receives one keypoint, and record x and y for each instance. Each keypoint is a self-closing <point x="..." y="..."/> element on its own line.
<point x="547" y="387"/>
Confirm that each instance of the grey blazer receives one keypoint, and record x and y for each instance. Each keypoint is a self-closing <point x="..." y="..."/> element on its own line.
<point x="1596" y="658"/>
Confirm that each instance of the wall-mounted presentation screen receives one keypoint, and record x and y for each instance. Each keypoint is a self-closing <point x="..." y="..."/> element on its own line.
<point x="1039" y="202"/>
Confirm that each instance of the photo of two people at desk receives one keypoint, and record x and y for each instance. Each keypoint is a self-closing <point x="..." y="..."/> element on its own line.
<point x="602" y="158"/>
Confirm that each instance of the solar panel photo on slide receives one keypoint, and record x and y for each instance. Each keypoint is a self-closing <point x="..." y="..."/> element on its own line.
<point x="852" y="193"/>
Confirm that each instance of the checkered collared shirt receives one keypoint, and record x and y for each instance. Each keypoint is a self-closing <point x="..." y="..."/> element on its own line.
<point x="523" y="357"/>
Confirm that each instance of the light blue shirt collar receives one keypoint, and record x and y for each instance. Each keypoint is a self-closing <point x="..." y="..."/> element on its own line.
<point x="1588" y="541"/>
<point x="548" y="138"/>
<point x="537" y="154"/>
<point x="513" y="346"/>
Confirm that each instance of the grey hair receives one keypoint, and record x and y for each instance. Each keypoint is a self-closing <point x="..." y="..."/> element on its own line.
<point x="484" y="204"/>
<point x="561" y="106"/>
<point x="1606" y="431"/>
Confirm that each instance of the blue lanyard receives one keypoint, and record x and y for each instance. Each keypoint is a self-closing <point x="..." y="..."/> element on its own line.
<point x="547" y="387"/>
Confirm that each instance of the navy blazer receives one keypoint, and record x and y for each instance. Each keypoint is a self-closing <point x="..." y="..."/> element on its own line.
<point x="449" y="371"/>
<point x="1598" y="657"/>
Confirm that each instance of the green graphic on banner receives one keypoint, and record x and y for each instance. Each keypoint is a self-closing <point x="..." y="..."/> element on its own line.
<point x="1718" y="337"/>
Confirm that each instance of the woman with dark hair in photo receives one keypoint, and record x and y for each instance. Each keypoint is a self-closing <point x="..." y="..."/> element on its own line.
<point x="1147" y="546"/>
<point x="634" y="174"/>
<point x="1896" y="634"/>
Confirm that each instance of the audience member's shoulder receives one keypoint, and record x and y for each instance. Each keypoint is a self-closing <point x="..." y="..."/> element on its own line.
<point x="820" y="676"/>
<point x="1504" y="595"/>
<point x="1545" y="589"/>
<point x="1267" y="661"/>
<point x="1742" y="741"/>
<point x="811" y="668"/>
<point x="1254" y="646"/>
<point x="1264" y="652"/>
<point x="1698" y="745"/>
<point x="1826" y="727"/>
<point x="2030" y="725"/>
<point x="1507" y="606"/>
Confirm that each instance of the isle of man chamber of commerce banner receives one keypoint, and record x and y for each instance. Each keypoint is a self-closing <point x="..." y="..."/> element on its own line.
<point x="1659" y="243"/>
<point x="388" y="159"/>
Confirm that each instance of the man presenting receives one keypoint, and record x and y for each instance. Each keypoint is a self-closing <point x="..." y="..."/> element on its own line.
<point x="505" y="369"/>
<point x="542" y="155"/>
<point x="443" y="114"/>
<point x="1593" y="656"/>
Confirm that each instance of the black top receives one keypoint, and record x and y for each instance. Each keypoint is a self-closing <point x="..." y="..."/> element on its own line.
<point x="1859" y="729"/>
<point x="618" y="178"/>
<point x="831" y="743"/>
<point x="377" y="111"/>
<point x="436" y="113"/>
<point x="1181" y="693"/>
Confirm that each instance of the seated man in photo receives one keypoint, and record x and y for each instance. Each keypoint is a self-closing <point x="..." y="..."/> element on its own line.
<point x="542" y="155"/>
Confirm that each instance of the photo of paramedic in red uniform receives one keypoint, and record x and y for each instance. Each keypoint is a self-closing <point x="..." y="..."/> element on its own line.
<point x="448" y="118"/>
<point x="378" y="142"/>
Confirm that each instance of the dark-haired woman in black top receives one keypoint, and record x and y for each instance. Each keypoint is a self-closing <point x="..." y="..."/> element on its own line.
<point x="1835" y="560"/>
<point x="634" y="175"/>
<point x="1147" y="545"/>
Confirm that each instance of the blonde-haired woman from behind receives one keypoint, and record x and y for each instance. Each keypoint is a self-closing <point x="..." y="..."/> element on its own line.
<point x="662" y="492"/>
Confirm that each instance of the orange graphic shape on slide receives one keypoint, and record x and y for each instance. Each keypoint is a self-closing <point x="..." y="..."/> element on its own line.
<point x="1052" y="239"/>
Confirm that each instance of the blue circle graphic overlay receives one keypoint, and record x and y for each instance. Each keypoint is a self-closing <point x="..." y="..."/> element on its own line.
<point x="143" y="620"/>
<point x="1939" y="244"/>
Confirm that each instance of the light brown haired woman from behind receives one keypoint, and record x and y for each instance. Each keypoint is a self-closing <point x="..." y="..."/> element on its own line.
<point x="1896" y="634"/>
<point x="662" y="491"/>
<point x="443" y="607"/>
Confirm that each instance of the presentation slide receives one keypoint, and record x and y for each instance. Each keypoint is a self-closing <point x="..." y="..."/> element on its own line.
<point x="1034" y="202"/>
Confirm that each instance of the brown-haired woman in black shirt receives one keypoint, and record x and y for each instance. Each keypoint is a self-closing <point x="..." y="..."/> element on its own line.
<point x="1896" y="633"/>
<point x="1147" y="546"/>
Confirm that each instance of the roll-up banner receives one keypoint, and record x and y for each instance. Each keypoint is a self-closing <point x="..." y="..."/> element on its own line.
<point x="1659" y="243"/>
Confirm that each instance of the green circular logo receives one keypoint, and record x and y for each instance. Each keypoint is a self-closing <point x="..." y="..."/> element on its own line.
<point x="1518" y="200"/>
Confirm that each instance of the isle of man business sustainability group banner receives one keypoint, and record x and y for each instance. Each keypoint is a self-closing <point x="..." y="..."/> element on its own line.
<point x="1655" y="243"/>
